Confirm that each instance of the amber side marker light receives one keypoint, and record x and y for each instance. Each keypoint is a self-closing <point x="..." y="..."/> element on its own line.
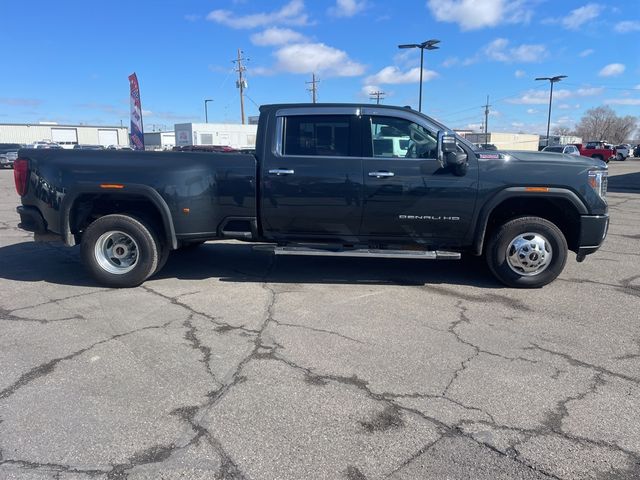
<point x="536" y="189"/>
<point x="112" y="185"/>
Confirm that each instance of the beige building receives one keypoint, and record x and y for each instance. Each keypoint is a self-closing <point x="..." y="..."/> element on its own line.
<point x="65" y="135"/>
<point x="506" y="141"/>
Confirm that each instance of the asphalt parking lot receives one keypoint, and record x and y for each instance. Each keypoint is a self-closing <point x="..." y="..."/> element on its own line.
<point x="234" y="365"/>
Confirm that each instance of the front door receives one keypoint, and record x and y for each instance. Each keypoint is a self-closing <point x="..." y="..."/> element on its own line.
<point x="312" y="181"/>
<point x="408" y="194"/>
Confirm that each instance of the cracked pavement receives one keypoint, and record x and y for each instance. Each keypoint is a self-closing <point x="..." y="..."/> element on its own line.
<point x="233" y="364"/>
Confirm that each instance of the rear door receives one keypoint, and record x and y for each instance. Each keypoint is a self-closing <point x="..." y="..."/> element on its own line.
<point x="407" y="193"/>
<point x="311" y="180"/>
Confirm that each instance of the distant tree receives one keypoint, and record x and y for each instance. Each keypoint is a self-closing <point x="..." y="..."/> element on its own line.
<point x="562" y="130"/>
<point x="603" y="124"/>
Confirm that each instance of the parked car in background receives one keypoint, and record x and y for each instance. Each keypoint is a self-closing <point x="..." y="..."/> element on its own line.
<point x="636" y="151"/>
<point x="622" y="152"/>
<point x="119" y="147"/>
<point x="566" y="149"/>
<point x="44" y="144"/>
<point x="88" y="147"/>
<point x="600" y="150"/>
<point x="8" y="154"/>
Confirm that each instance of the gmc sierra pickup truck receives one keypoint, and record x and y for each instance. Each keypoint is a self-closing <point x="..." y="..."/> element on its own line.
<point x="326" y="179"/>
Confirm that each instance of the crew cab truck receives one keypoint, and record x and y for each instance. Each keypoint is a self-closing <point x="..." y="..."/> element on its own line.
<point x="600" y="150"/>
<point x="319" y="185"/>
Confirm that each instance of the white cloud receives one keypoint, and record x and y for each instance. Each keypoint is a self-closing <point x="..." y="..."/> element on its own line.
<point x="541" y="97"/>
<point x="450" y="62"/>
<point x="293" y="13"/>
<point x="499" y="50"/>
<point x="589" y="91"/>
<point x="318" y="58"/>
<point x="623" y="101"/>
<point x="347" y="8"/>
<point x="393" y="75"/>
<point x="627" y="26"/>
<point x="581" y="15"/>
<point x="531" y="111"/>
<point x="637" y="87"/>
<point x="276" y="36"/>
<point x="474" y="14"/>
<point x="612" y="70"/>
<point x="366" y="90"/>
<point x="586" y="53"/>
<point x="519" y="73"/>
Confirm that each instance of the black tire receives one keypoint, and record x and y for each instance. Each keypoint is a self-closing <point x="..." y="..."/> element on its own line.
<point x="620" y="157"/>
<point x="163" y="256"/>
<point x="496" y="252"/>
<point x="98" y="263"/>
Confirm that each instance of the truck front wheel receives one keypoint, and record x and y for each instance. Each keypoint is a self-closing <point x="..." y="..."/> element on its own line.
<point x="527" y="252"/>
<point x="120" y="251"/>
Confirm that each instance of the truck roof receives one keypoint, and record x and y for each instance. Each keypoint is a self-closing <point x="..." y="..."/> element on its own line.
<point x="314" y="105"/>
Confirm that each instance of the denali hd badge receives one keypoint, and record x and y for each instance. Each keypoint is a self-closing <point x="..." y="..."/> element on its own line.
<point x="429" y="217"/>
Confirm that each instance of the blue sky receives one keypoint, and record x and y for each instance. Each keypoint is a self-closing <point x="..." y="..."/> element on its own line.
<point x="68" y="61"/>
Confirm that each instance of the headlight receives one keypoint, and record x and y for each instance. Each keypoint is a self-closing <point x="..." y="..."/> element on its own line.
<point x="598" y="181"/>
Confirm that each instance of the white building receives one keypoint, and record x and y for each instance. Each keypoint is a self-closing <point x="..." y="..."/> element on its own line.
<point x="506" y="141"/>
<point x="65" y="135"/>
<point x="159" y="140"/>
<point x="219" y="134"/>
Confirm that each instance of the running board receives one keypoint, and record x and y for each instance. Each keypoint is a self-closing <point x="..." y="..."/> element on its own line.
<point x="369" y="252"/>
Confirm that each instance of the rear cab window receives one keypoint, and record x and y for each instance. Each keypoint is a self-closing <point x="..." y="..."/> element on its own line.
<point x="318" y="135"/>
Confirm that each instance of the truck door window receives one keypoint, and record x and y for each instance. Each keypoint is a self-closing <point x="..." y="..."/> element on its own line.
<point x="399" y="138"/>
<point x="317" y="135"/>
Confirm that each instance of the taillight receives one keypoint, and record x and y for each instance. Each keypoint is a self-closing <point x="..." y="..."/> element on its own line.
<point x="21" y="175"/>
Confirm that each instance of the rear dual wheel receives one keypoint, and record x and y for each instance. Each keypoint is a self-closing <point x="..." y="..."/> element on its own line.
<point x="527" y="252"/>
<point x="122" y="251"/>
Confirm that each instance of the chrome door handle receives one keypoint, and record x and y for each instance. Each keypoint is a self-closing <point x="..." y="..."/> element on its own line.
<point x="381" y="174"/>
<point x="281" y="171"/>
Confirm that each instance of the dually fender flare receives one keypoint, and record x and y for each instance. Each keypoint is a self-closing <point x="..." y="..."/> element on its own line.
<point x="519" y="192"/>
<point x="129" y="189"/>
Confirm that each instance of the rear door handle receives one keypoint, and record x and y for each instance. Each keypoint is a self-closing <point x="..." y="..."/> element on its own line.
<point x="281" y="171"/>
<point x="381" y="174"/>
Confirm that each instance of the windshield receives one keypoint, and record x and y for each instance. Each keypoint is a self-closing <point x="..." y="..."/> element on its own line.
<point x="552" y="149"/>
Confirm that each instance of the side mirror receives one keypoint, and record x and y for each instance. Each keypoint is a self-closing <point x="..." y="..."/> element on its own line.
<point x="450" y="155"/>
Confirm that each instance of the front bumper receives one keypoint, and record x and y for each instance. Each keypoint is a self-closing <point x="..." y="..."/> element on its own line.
<point x="593" y="231"/>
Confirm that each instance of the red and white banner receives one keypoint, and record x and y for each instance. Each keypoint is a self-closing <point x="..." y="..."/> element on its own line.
<point x="136" y="136"/>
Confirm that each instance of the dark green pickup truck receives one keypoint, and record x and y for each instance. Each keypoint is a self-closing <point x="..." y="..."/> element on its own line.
<point x="326" y="179"/>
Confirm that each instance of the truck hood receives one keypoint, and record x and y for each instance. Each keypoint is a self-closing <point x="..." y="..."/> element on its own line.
<point x="550" y="158"/>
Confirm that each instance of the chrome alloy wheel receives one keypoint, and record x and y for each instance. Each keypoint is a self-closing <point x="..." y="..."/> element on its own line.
<point x="116" y="252"/>
<point x="529" y="254"/>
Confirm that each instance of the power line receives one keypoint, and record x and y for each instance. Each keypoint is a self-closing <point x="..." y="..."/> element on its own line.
<point x="377" y="96"/>
<point x="314" y="87"/>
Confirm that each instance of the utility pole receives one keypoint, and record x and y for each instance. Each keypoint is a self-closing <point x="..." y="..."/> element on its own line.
<point x="241" y="83"/>
<point x="377" y="95"/>
<point x="314" y="87"/>
<point x="486" y="121"/>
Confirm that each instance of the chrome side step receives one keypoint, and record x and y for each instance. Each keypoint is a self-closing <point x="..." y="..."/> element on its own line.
<point x="368" y="252"/>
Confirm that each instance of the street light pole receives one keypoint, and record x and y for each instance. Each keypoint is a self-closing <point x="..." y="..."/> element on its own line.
<point x="206" y="114"/>
<point x="428" y="45"/>
<point x="552" y="80"/>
